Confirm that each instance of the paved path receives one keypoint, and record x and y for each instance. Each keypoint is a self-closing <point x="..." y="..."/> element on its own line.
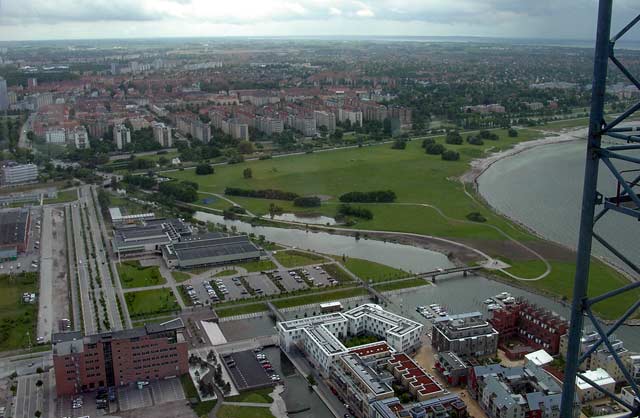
<point x="45" y="297"/>
<point x="256" y="404"/>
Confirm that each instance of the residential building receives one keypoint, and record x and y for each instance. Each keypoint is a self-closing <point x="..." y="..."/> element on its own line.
<point x="452" y="368"/>
<point x="14" y="173"/>
<point x="162" y="134"/>
<point x="4" y="95"/>
<point x="446" y="406"/>
<point x="326" y="119"/>
<point x="467" y="335"/>
<point x="80" y="137"/>
<point x="586" y="392"/>
<point x="353" y="115"/>
<point x="238" y="130"/>
<point x="209" y="250"/>
<point x="303" y="123"/>
<point x="118" y="358"/>
<point x="32" y="82"/>
<point x="421" y="384"/>
<point x="629" y="396"/>
<point x="515" y="392"/>
<point x="56" y="136"/>
<point x="121" y="136"/>
<point x="269" y="125"/>
<point x="536" y="327"/>
<point x="319" y="336"/>
<point x="194" y="127"/>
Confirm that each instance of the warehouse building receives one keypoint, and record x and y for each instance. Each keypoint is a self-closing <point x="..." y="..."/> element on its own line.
<point x="14" y="232"/>
<point x="148" y="237"/>
<point x="209" y="250"/>
<point x="119" y="358"/>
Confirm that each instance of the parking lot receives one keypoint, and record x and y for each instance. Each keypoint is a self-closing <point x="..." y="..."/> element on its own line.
<point x="262" y="284"/>
<point x="247" y="372"/>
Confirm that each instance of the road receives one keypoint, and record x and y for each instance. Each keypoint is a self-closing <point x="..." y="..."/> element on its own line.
<point x="25" y="364"/>
<point x="23" y="142"/>
<point x="90" y="326"/>
<point x="75" y="297"/>
<point x="101" y="260"/>
<point x="45" y="298"/>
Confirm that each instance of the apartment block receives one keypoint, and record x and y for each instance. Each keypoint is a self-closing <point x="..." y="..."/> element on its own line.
<point x="121" y="136"/>
<point x="14" y="174"/>
<point x="80" y="137"/>
<point x="467" y="335"/>
<point x="162" y="134"/>
<point x="118" y="358"/>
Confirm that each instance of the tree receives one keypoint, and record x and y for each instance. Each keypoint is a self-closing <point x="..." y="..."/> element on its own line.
<point x="513" y="133"/>
<point x="399" y="144"/>
<point x="247" y="173"/>
<point x="434" y="149"/>
<point x="450" y="155"/>
<point x="454" y="138"/>
<point x="245" y="147"/>
<point x="204" y="169"/>
<point x="307" y="201"/>
<point x="428" y="141"/>
<point x="311" y="380"/>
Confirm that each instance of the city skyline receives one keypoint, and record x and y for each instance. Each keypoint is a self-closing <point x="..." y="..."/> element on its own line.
<point x="79" y="19"/>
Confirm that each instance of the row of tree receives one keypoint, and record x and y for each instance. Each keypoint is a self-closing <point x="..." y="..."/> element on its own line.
<point x="375" y="196"/>
<point x="261" y="194"/>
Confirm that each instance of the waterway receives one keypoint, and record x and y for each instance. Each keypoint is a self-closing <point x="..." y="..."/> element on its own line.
<point x="456" y="294"/>
<point x="542" y="188"/>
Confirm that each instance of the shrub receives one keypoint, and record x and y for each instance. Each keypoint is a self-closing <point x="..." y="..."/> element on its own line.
<point x="476" y="217"/>
<point x="484" y="134"/>
<point x="399" y="144"/>
<point x="261" y="194"/>
<point x="428" y="141"/>
<point x="434" y="149"/>
<point x="376" y="196"/>
<point x="358" y="212"/>
<point x="512" y="133"/>
<point x="449" y="155"/>
<point x="307" y="202"/>
<point x="474" y="140"/>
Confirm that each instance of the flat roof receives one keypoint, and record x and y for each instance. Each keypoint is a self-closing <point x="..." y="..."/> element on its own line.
<point x="366" y="374"/>
<point x="399" y="325"/>
<point x="193" y="249"/>
<point x="598" y="376"/>
<point x="13" y="226"/>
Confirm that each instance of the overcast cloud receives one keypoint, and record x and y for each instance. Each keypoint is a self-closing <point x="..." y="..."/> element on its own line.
<point x="72" y="19"/>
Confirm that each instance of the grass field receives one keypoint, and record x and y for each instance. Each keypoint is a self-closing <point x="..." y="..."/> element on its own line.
<point x="147" y="303"/>
<point x="17" y="318"/>
<point x="132" y="275"/>
<point x="417" y="179"/>
<point x="64" y="197"/>
<point x="241" y="310"/>
<point x="253" y="266"/>
<point x="200" y="408"/>
<point x="180" y="276"/>
<point x="293" y="258"/>
<point x="254" y="396"/>
<point x="371" y="271"/>
<point x="401" y="284"/>
<point x="234" y="411"/>
<point x="223" y="273"/>
<point x="336" y="272"/>
<point x="320" y="297"/>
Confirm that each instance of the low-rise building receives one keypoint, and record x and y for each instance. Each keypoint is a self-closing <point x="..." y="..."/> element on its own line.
<point x="452" y="368"/>
<point x="148" y="237"/>
<point x="210" y="249"/>
<point x="467" y="335"/>
<point x="14" y="174"/>
<point x="14" y="231"/>
<point x="586" y="392"/>
<point x="118" y="358"/>
<point x="446" y="406"/>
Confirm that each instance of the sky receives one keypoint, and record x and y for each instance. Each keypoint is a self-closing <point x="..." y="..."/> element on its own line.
<point x="89" y="19"/>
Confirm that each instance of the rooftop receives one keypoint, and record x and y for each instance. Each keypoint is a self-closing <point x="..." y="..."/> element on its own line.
<point x="13" y="226"/>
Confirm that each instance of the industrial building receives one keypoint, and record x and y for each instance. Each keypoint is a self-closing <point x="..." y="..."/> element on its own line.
<point x="14" y="232"/>
<point x="319" y="336"/>
<point x="209" y="250"/>
<point x="119" y="358"/>
<point x="537" y="328"/>
<point x="467" y="335"/>
<point x="148" y="237"/>
<point x="14" y="173"/>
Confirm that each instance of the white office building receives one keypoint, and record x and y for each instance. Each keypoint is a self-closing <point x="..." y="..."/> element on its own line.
<point x="121" y="136"/>
<point x="320" y="336"/>
<point x="13" y="174"/>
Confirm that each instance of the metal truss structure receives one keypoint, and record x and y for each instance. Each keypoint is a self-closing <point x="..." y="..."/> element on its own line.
<point x="624" y="200"/>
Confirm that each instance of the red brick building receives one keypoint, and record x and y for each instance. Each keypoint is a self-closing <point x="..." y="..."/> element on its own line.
<point x="534" y="326"/>
<point x="119" y="358"/>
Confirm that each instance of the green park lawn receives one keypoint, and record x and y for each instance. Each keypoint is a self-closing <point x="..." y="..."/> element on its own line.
<point x="241" y="310"/>
<point x="17" y="319"/>
<point x="132" y="275"/>
<point x="293" y="258"/>
<point x="64" y="196"/>
<point x="180" y="276"/>
<point x="254" y="396"/>
<point x="229" y="272"/>
<point x="417" y="179"/>
<point x="371" y="271"/>
<point x="234" y="411"/>
<point x="337" y="272"/>
<point x="260" y="265"/>
<point x="147" y="303"/>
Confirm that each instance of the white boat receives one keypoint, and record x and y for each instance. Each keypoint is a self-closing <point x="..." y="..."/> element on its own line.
<point x="488" y="301"/>
<point x="493" y="307"/>
<point x="503" y="295"/>
<point x="509" y="300"/>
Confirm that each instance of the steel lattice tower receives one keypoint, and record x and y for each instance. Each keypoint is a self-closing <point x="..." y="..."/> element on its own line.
<point x="625" y="200"/>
